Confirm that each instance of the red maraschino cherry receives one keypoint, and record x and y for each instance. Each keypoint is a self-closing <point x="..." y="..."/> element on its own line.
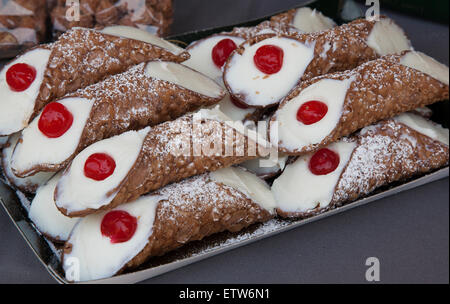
<point x="222" y="51"/>
<point x="99" y="166"/>
<point x="55" y="120"/>
<point x="239" y="104"/>
<point x="119" y="226"/>
<point x="323" y="162"/>
<point x="20" y="76"/>
<point x="311" y="112"/>
<point x="269" y="59"/>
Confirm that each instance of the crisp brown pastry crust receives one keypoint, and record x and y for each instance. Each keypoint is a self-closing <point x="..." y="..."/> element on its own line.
<point x="191" y="210"/>
<point x="83" y="57"/>
<point x="338" y="49"/>
<point x="386" y="152"/>
<point x="380" y="89"/>
<point x="286" y="17"/>
<point x="129" y="101"/>
<point x="167" y="156"/>
<point x="196" y="208"/>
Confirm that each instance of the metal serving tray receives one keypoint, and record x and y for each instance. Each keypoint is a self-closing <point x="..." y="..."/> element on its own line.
<point x="16" y="203"/>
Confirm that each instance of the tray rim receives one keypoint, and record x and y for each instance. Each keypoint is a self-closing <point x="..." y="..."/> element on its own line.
<point x="140" y="275"/>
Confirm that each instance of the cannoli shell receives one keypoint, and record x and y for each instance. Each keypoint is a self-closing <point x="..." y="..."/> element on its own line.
<point x="161" y="160"/>
<point x="82" y="57"/>
<point x="286" y="17"/>
<point x="380" y="90"/>
<point x="191" y="210"/>
<point x="174" y="225"/>
<point x="387" y="152"/>
<point x="345" y="48"/>
<point x="151" y="101"/>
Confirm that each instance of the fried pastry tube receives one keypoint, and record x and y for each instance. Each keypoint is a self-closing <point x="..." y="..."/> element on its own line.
<point x="137" y="162"/>
<point x="265" y="68"/>
<point x="329" y="107"/>
<point x="79" y="58"/>
<point x="145" y="95"/>
<point x="390" y="151"/>
<point x="209" y="55"/>
<point x="226" y="200"/>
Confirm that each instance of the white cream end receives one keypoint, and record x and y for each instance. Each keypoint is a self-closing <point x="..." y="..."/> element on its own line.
<point x="299" y="190"/>
<point x="424" y="126"/>
<point x="76" y="192"/>
<point x="97" y="257"/>
<point x="293" y="134"/>
<point x="16" y="108"/>
<point x="427" y="65"/>
<point x="141" y="35"/>
<point x="37" y="149"/>
<point x="201" y="55"/>
<point x="309" y="21"/>
<point x="185" y="77"/>
<point x="47" y="218"/>
<point x="258" y="88"/>
<point x="387" y="38"/>
<point x="247" y="183"/>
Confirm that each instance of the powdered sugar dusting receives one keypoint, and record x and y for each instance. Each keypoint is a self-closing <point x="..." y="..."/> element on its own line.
<point x="387" y="152"/>
<point x="199" y="189"/>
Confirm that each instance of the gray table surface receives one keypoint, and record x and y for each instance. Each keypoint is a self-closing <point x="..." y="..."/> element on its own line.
<point x="407" y="232"/>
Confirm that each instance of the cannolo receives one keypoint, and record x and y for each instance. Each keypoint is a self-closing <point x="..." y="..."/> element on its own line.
<point x="28" y="184"/>
<point x="77" y="59"/>
<point x="208" y="57"/>
<point x="122" y="168"/>
<point x="145" y="95"/>
<point x="264" y="69"/>
<point x="305" y="19"/>
<point x="392" y="150"/>
<point x="226" y="200"/>
<point x="46" y="217"/>
<point x="326" y="108"/>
